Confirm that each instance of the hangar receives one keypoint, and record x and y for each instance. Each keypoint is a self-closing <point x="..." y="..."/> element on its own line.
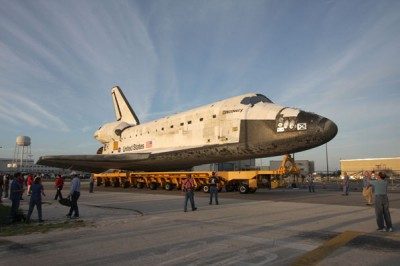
<point x="356" y="167"/>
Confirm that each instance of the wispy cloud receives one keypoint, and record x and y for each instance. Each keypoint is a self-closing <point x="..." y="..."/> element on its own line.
<point x="21" y="110"/>
<point x="59" y="60"/>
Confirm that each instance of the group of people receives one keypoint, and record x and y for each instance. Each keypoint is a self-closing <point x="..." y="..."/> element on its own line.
<point x="35" y="191"/>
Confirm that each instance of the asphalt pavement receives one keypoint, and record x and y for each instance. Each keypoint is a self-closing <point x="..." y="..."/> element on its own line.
<point x="144" y="227"/>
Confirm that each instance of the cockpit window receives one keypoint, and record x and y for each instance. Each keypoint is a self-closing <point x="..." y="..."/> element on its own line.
<point x="255" y="99"/>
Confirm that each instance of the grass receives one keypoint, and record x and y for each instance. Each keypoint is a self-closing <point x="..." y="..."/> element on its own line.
<point x="21" y="228"/>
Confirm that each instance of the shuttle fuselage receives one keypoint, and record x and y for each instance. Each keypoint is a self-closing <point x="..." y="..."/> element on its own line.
<point x="242" y="127"/>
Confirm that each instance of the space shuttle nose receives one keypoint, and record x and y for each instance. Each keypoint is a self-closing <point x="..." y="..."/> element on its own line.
<point x="330" y="129"/>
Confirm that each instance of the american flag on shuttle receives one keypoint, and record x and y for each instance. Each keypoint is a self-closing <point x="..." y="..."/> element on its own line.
<point x="149" y="144"/>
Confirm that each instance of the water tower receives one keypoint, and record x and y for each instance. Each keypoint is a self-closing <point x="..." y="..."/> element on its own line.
<point x="22" y="153"/>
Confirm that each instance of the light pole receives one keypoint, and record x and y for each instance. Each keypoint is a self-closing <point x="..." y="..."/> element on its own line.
<point x="327" y="165"/>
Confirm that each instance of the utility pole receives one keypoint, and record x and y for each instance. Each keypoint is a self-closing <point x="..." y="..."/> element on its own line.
<point x="327" y="166"/>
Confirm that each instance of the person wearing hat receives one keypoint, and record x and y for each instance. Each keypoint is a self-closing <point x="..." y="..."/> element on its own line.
<point x="74" y="195"/>
<point x="213" y="181"/>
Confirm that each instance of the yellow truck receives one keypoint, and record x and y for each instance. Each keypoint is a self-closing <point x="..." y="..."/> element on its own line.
<point x="242" y="181"/>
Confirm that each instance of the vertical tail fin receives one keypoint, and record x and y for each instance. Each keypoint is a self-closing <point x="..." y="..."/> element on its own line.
<point x="123" y="110"/>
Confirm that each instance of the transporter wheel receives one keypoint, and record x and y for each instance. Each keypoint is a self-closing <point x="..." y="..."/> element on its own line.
<point x="168" y="186"/>
<point x="206" y="189"/>
<point x="127" y="184"/>
<point x="243" y="189"/>
<point x="153" y="186"/>
<point x="107" y="183"/>
<point x="140" y="185"/>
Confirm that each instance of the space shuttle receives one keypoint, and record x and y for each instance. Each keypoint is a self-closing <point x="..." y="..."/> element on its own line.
<point x="242" y="127"/>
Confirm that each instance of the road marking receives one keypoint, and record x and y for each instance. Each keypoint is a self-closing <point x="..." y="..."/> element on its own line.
<point x="327" y="248"/>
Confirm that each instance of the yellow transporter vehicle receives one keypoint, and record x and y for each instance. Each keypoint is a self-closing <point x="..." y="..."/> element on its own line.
<point x="242" y="181"/>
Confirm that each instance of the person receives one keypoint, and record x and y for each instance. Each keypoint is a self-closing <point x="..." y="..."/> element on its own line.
<point x="382" y="212"/>
<point x="310" y="181"/>
<point x="373" y="175"/>
<point x="59" y="186"/>
<point x="74" y="194"/>
<point x="213" y="180"/>
<point x="15" y="195"/>
<point x="367" y="188"/>
<point x="188" y="187"/>
<point x="29" y="182"/>
<point x="6" y="185"/>
<point x="91" y="183"/>
<point x="346" y="184"/>
<point x="36" y="192"/>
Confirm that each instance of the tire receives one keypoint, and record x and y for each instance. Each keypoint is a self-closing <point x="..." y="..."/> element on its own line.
<point x="243" y="189"/>
<point x="206" y="189"/>
<point x="153" y="186"/>
<point x="168" y="186"/>
<point x="140" y="185"/>
<point x="127" y="184"/>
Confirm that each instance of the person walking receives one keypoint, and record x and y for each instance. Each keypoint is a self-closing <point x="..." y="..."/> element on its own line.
<point x="367" y="188"/>
<point x="382" y="212"/>
<point x="16" y="191"/>
<point x="213" y="181"/>
<point x="188" y="187"/>
<point x="346" y="184"/>
<point x="36" y="192"/>
<point x="59" y="186"/>
<point x="310" y="181"/>
<point x="74" y="194"/>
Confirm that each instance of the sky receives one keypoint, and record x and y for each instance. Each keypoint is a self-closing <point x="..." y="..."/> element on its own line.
<point x="60" y="59"/>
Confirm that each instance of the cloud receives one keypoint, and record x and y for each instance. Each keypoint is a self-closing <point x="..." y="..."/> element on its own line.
<point x="21" y="110"/>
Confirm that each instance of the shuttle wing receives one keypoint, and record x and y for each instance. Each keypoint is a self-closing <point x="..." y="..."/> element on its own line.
<point x="93" y="163"/>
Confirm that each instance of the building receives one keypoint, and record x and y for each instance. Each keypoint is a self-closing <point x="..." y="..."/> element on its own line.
<point x="356" y="167"/>
<point x="28" y="167"/>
